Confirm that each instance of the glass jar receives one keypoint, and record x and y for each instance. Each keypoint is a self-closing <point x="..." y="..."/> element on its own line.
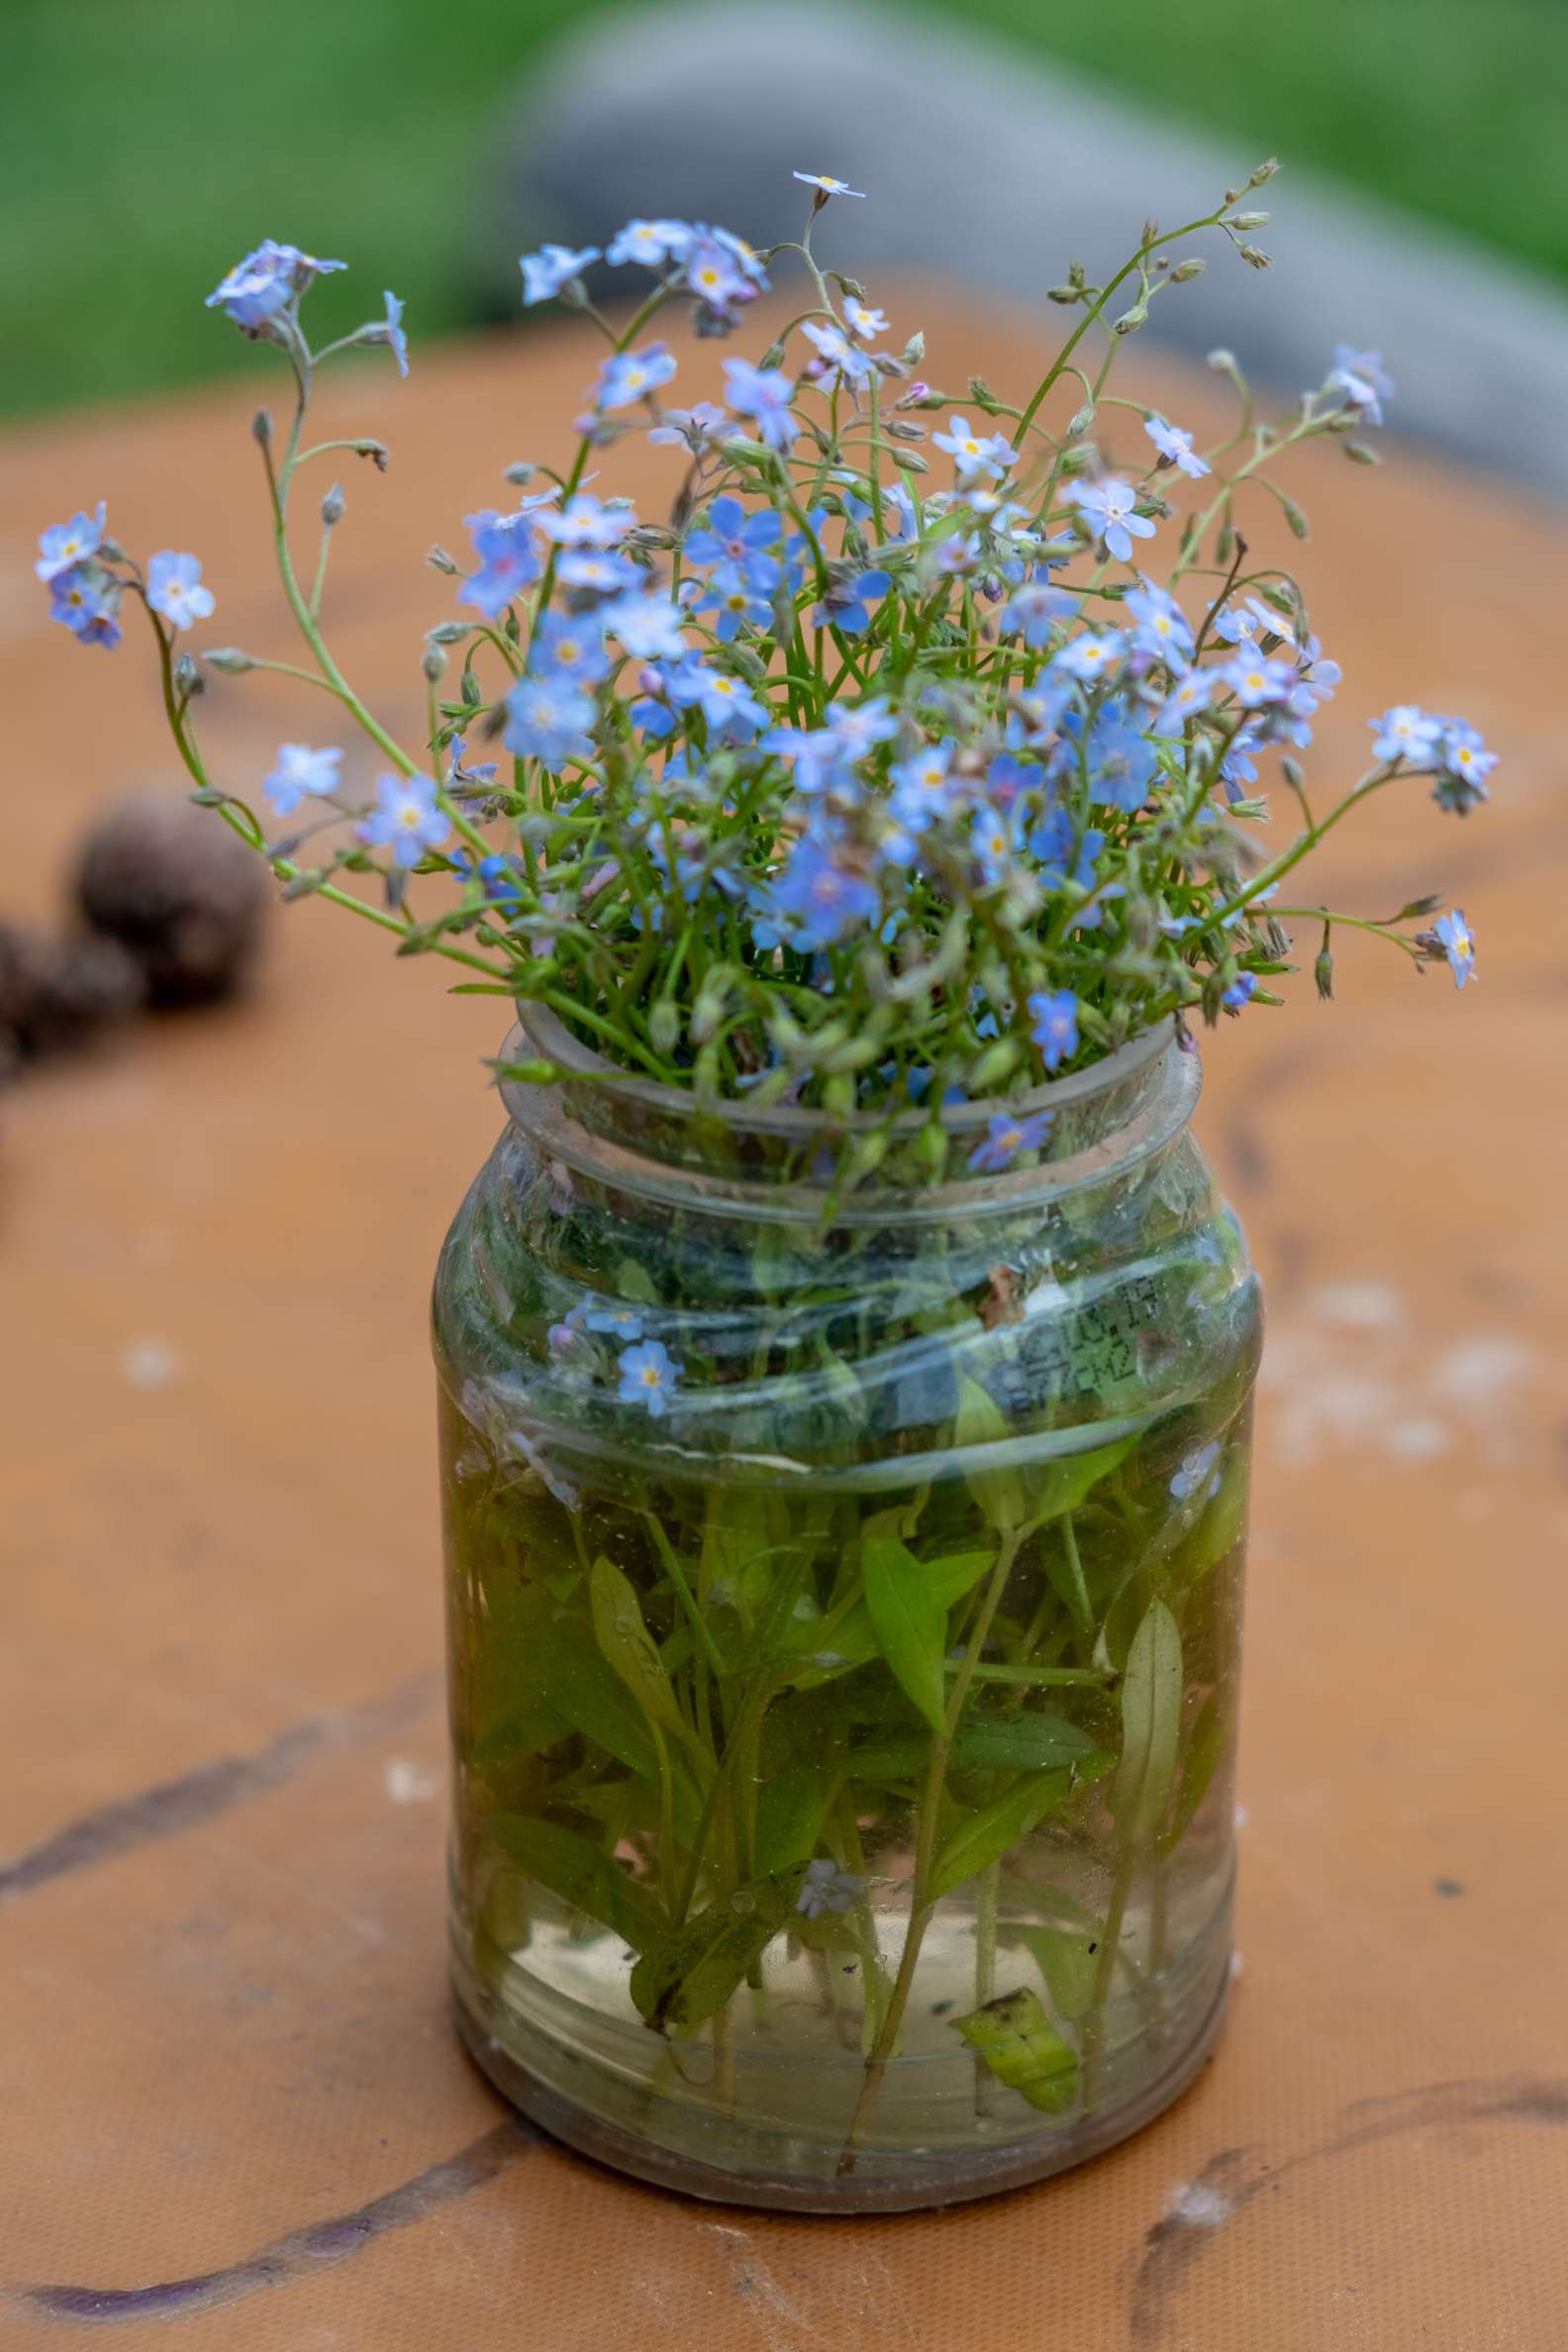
<point x="845" y="1606"/>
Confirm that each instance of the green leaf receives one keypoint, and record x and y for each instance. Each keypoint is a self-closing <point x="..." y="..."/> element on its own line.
<point x="1151" y="1704"/>
<point x="982" y="1838"/>
<point x="853" y="1640"/>
<point x="979" y="1421"/>
<point x="1065" y="1958"/>
<point x="692" y="1973"/>
<point x="1207" y="1748"/>
<point x="910" y="1623"/>
<point x="1015" y="1743"/>
<point x="1021" y="2046"/>
<point x="791" y="1803"/>
<point x="581" y="1874"/>
<point x="1222" y="1525"/>
<point x="1060" y="1486"/>
<point x="628" y="1647"/>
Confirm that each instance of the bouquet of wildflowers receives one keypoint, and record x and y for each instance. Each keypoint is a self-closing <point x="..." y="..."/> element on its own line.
<point x="877" y="788"/>
<point x="881" y="769"/>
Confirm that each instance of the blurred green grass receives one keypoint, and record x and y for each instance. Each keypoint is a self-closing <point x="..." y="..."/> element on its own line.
<point x="145" y="144"/>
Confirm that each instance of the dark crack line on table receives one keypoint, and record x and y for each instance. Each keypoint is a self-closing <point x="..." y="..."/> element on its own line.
<point x="196" y="1797"/>
<point x="316" y="2247"/>
<point x="1230" y="2180"/>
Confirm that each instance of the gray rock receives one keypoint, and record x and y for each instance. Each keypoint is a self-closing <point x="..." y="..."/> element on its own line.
<point x="982" y="163"/>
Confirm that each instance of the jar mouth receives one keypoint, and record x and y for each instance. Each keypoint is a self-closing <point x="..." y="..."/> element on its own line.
<point x="657" y="1140"/>
<point x="545" y="1033"/>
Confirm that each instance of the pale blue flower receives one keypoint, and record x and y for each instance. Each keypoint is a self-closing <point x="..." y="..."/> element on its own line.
<point x="650" y="1376"/>
<point x="1056" y="1026"/>
<point x="647" y="625"/>
<point x="298" y="772"/>
<point x="925" y="788"/>
<point x="1256" y="681"/>
<point x="266" y="281"/>
<point x="623" y="1321"/>
<point x="391" y="332"/>
<point x="1196" y="1472"/>
<point x="591" y="568"/>
<point x="864" y="322"/>
<point x="1458" y="946"/>
<point x="1359" y="379"/>
<point x="569" y="646"/>
<point x="1240" y="992"/>
<point x="1186" y="699"/>
<point x="1176" y="448"/>
<point x="847" y="604"/>
<point x="988" y="455"/>
<point x="508" y="563"/>
<point x="67" y="544"/>
<point x="1008" y="1137"/>
<point x="548" y="720"/>
<point x="408" y="819"/>
<point x="827" y="1888"/>
<point x="1092" y="655"/>
<point x="553" y="267"/>
<point x="822" y="899"/>
<point x="725" y="700"/>
<point x="584" y="523"/>
<point x="825" y="182"/>
<point x="735" y="537"/>
<point x="763" y="394"/>
<point x="1162" y="627"/>
<point x="1109" y="509"/>
<point x="838" y="361"/>
<point x="1034" y="609"/>
<point x="629" y="377"/>
<point x="649" y="242"/>
<point x="86" y="600"/>
<point x="175" y="589"/>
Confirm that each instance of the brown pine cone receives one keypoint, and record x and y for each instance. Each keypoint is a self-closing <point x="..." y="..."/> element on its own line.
<point x="175" y="886"/>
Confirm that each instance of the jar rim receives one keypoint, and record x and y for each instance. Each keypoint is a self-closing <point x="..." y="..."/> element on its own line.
<point x="543" y="1030"/>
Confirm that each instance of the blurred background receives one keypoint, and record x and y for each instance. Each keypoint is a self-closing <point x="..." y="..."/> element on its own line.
<point x="146" y="144"/>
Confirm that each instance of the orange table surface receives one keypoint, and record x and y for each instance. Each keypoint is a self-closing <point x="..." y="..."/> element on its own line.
<point x="232" y="2113"/>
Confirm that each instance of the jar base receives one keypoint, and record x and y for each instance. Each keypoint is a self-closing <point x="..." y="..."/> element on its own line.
<point x="951" y="2179"/>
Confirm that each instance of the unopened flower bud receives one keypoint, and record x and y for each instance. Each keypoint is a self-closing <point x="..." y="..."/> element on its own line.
<point x="838" y="1095"/>
<point x="665" y="1026"/>
<point x="520" y="474"/>
<point x="1359" y="454"/>
<point x="1222" y="363"/>
<point x="432" y="662"/>
<point x="1254" y="257"/>
<point x="914" y="351"/>
<point x="332" y="506"/>
<point x="931" y="1148"/>
<point x="773" y="356"/>
<point x="261" y="427"/>
<point x="1264" y="172"/>
<point x="1131" y="320"/>
<point x="995" y="1066"/>
<point x="981" y="392"/>
<point x="909" y="462"/>
<point x="1251" y="220"/>
<point x="1082" y="421"/>
<point x="1061" y="293"/>
<point x="447" y="633"/>
<point x="1295" y="518"/>
<point x="187" y="675"/>
<point x="438" y="560"/>
<point x="229" y="659"/>
<point x="1322" y="973"/>
<point x="1291" y="769"/>
<point x="1185" y="272"/>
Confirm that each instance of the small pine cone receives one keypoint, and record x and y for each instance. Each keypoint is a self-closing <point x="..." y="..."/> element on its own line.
<point x="54" y="992"/>
<point x="175" y="886"/>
